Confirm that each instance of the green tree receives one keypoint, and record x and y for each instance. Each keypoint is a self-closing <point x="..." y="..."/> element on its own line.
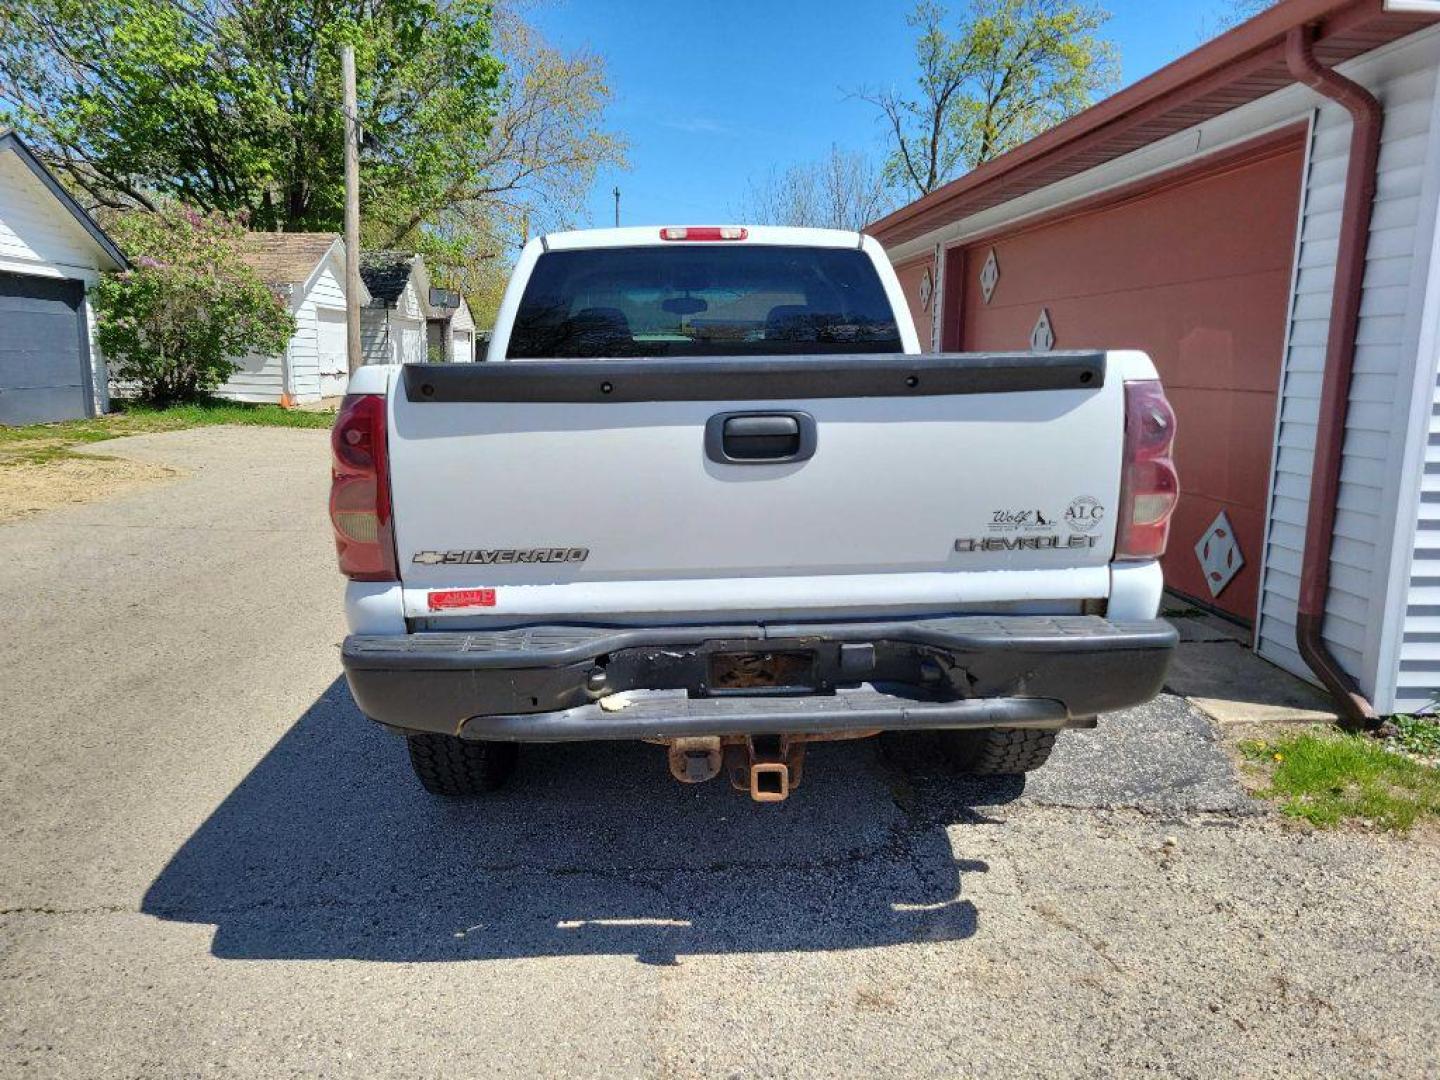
<point x="536" y="163"/>
<point x="233" y="105"/>
<point x="173" y="324"/>
<point x="1006" y="71"/>
<point x="477" y="130"/>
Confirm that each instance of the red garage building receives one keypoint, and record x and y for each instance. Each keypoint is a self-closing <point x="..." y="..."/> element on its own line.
<point x="1202" y="215"/>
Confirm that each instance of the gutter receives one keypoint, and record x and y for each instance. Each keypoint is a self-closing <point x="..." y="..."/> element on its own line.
<point x="1254" y="50"/>
<point x="1366" y="116"/>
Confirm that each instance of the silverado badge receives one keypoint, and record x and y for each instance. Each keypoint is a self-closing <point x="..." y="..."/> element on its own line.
<point x="500" y="556"/>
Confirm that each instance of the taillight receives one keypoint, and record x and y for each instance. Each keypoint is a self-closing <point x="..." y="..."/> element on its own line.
<point x="703" y="232"/>
<point x="360" y="490"/>
<point x="1149" y="485"/>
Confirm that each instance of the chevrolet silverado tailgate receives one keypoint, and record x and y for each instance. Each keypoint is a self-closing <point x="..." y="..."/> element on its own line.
<point x="576" y="488"/>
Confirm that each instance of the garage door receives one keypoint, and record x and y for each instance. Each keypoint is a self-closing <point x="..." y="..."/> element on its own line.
<point x="44" y="361"/>
<point x="1194" y="270"/>
<point x="463" y="347"/>
<point x="332" y="354"/>
<point x="408" y="336"/>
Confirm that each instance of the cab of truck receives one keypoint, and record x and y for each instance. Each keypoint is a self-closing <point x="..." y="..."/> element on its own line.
<point x="706" y="492"/>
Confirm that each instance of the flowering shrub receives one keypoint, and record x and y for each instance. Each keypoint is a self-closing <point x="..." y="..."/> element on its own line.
<point x="175" y="322"/>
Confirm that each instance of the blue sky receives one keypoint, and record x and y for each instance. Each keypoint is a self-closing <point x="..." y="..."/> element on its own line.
<point x="712" y="94"/>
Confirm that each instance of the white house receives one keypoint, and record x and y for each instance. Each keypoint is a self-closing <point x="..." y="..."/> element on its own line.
<point x="392" y="322"/>
<point x="462" y="334"/>
<point x="51" y="251"/>
<point x="309" y="268"/>
<point x="1260" y="216"/>
<point x="450" y="330"/>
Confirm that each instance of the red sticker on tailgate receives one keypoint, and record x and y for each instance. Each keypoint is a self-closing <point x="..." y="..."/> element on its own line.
<point x="461" y="598"/>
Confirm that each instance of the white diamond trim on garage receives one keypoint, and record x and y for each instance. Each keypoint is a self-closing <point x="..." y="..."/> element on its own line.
<point x="1219" y="554"/>
<point x="989" y="276"/>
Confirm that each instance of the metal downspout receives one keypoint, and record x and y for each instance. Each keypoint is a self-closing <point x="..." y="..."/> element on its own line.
<point x="1366" y="116"/>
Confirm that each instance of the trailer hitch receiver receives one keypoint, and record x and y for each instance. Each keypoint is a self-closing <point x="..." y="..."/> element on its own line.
<point x="769" y="781"/>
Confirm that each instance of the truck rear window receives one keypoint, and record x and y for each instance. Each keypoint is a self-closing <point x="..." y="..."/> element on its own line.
<point x="702" y="301"/>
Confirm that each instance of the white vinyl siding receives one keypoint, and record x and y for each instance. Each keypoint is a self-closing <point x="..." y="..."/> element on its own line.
<point x="462" y="334"/>
<point x="387" y="337"/>
<point x="262" y="378"/>
<point x="408" y="306"/>
<point x="325" y="292"/>
<point x="1410" y="653"/>
<point x="38" y="235"/>
<point x="394" y="335"/>
<point x="407" y="325"/>
<point x="99" y="373"/>
<point x="1403" y="78"/>
<point x="375" y="346"/>
<point x="462" y="321"/>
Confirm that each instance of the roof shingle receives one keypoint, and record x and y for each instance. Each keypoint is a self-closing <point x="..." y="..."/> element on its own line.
<point x="285" y="258"/>
<point x="385" y="273"/>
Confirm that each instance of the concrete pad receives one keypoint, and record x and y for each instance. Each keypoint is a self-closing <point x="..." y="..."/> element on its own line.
<point x="329" y="404"/>
<point x="1234" y="685"/>
<point x="1216" y="669"/>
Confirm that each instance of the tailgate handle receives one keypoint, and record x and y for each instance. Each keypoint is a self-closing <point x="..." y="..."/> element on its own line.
<point x="760" y="438"/>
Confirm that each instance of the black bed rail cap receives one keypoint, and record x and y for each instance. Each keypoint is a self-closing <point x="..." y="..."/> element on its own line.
<point x="754" y="378"/>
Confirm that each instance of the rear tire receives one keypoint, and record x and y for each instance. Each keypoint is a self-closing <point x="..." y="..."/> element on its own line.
<point x="460" y="768"/>
<point x="999" y="751"/>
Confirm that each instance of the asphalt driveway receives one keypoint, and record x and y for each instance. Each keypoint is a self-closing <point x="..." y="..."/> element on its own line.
<point x="210" y="863"/>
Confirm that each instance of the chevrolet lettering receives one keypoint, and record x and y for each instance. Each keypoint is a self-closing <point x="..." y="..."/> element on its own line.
<point x="968" y="544"/>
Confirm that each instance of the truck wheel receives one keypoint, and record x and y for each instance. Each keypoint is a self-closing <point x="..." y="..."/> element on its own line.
<point x="447" y="765"/>
<point x="999" y="751"/>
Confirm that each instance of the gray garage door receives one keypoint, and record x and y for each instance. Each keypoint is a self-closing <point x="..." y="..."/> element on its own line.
<point x="44" y="357"/>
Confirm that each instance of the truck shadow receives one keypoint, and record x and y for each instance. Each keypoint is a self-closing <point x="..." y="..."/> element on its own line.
<point x="329" y="849"/>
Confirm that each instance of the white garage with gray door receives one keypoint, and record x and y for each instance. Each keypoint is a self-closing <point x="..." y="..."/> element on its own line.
<point x="51" y="250"/>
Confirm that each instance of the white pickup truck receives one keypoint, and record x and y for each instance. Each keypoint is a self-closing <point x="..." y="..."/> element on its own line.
<point x="706" y="492"/>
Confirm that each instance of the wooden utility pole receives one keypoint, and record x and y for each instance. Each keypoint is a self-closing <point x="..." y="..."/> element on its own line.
<point x="352" y="211"/>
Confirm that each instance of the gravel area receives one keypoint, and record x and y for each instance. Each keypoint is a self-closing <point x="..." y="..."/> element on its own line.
<point x="211" y="864"/>
<point x="27" y="489"/>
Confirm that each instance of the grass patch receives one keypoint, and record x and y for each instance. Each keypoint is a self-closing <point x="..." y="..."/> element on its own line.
<point x="38" y="443"/>
<point x="36" y="453"/>
<point x="1418" y="735"/>
<point x="1327" y="777"/>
